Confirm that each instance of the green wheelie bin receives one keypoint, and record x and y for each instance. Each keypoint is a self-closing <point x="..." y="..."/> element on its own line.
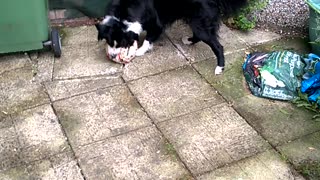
<point x="25" y="26"/>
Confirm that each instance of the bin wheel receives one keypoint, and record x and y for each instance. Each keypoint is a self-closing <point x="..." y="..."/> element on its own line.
<point x="56" y="43"/>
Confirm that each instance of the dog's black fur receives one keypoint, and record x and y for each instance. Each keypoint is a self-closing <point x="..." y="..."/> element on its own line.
<point x="203" y="16"/>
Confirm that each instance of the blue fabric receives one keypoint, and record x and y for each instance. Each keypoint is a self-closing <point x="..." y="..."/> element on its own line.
<point x="311" y="79"/>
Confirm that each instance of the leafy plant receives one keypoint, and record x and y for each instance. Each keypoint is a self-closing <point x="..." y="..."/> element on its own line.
<point x="302" y="101"/>
<point x="245" y="19"/>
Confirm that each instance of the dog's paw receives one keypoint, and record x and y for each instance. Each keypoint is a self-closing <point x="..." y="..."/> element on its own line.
<point x="186" y="41"/>
<point x="218" y="70"/>
<point x="143" y="49"/>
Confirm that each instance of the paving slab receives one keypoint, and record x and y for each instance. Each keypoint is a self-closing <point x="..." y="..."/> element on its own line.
<point x="256" y="36"/>
<point x="10" y="149"/>
<point x="100" y="114"/>
<point x="141" y="154"/>
<point x="13" y="61"/>
<point x="84" y="61"/>
<point x="79" y="35"/>
<point x="211" y="138"/>
<point x="231" y="85"/>
<point x="61" y="89"/>
<point x="5" y="121"/>
<point x="164" y="56"/>
<point x="267" y="165"/>
<point x="17" y="173"/>
<point x="277" y="121"/>
<point x="62" y="166"/>
<point x="304" y="154"/>
<point x="174" y="93"/>
<point x="19" y="91"/>
<point x="201" y="51"/>
<point x="44" y="63"/>
<point x="39" y="133"/>
<point x="298" y="45"/>
<point x="34" y="135"/>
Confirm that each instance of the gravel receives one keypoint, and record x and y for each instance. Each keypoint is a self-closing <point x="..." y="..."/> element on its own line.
<point x="284" y="16"/>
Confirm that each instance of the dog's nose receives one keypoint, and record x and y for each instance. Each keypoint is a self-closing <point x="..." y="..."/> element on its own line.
<point x="113" y="56"/>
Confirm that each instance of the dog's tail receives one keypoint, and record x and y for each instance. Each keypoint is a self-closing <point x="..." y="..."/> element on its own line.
<point x="230" y="7"/>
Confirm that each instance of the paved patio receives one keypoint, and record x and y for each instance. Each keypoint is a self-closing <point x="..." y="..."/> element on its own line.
<point x="163" y="116"/>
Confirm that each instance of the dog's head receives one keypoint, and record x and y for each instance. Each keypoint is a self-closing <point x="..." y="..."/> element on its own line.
<point x="117" y="35"/>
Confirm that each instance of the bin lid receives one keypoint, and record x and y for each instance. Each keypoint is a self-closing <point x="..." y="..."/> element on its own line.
<point x="314" y="4"/>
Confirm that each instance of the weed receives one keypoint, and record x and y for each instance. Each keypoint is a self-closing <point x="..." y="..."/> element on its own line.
<point x="245" y="19"/>
<point x="170" y="150"/>
<point x="309" y="169"/>
<point x="302" y="101"/>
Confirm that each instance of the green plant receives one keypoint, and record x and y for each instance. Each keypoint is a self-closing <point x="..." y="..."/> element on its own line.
<point x="302" y="101"/>
<point x="245" y="19"/>
<point x="310" y="170"/>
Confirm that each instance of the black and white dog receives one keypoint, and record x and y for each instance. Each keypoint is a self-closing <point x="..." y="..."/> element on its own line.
<point x="126" y="19"/>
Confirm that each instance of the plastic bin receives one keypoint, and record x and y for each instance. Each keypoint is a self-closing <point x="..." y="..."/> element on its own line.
<point x="24" y="26"/>
<point x="314" y="25"/>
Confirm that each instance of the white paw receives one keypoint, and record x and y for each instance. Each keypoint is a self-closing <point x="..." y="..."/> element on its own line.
<point x="143" y="49"/>
<point x="218" y="70"/>
<point x="140" y="52"/>
<point x="186" y="41"/>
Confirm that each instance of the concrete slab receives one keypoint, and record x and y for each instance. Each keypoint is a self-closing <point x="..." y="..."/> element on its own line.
<point x="141" y="154"/>
<point x="267" y="165"/>
<point x="201" y="51"/>
<point x="62" y="166"/>
<point x="79" y="35"/>
<point x="164" y="56"/>
<point x="211" y="138"/>
<point x="10" y="149"/>
<point x="99" y="115"/>
<point x="303" y="150"/>
<point x="5" y="121"/>
<point x="255" y="36"/>
<point x="299" y="45"/>
<point x="62" y="89"/>
<point x="277" y="121"/>
<point x="13" y="61"/>
<point x="45" y="62"/>
<point x="174" y="93"/>
<point x="39" y="134"/>
<point x="231" y="85"/>
<point x="19" y="91"/>
<point x="34" y="135"/>
<point x="17" y="173"/>
<point x="84" y="61"/>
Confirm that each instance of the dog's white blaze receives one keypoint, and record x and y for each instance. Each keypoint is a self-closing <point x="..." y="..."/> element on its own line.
<point x="135" y="27"/>
<point x="107" y="19"/>
<point x="113" y="50"/>
<point x="146" y="46"/>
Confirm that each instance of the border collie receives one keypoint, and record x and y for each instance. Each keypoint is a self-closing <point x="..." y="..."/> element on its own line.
<point x="126" y="19"/>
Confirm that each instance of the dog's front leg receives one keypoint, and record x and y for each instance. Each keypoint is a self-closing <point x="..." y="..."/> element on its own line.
<point x="146" y="46"/>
